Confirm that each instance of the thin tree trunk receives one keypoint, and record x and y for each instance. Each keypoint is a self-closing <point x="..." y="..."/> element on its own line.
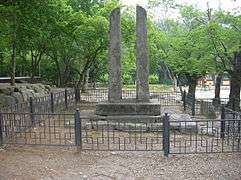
<point x="235" y="83"/>
<point x="35" y="65"/>
<point x="14" y="47"/>
<point x="234" y="96"/>
<point x="13" y="63"/>
<point x="32" y="66"/>
<point x="218" y="82"/>
<point x="85" y="81"/>
<point x="192" y="87"/>
<point x="59" y="78"/>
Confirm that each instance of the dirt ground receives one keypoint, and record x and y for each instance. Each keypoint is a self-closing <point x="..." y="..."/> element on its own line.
<point x="32" y="163"/>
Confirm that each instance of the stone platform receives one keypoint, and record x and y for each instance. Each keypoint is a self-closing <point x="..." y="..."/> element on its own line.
<point x="128" y="107"/>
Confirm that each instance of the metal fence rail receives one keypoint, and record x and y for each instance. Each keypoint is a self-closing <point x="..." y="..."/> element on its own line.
<point x="203" y="107"/>
<point x="90" y="133"/>
<point x="54" y="102"/>
<point x="37" y="123"/>
<point x="165" y="98"/>
<point x="114" y="133"/>
<point x="204" y="136"/>
<point x="38" y="129"/>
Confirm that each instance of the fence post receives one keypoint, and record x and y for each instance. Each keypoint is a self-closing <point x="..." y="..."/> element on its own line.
<point x="66" y="98"/>
<point x="222" y="130"/>
<point x="239" y="130"/>
<point x="78" y="133"/>
<point x="166" y="135"/>
<point x="193" y="105"/>
<point x="1" y="129"/>
<point x="31" y="109"/>
<point x="77" y="94"/>
<point x="52" y="102"/>
<point x="184" y="100"/>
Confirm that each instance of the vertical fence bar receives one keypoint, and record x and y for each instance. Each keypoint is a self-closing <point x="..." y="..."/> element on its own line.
<point x="239" y="131"/>
<point x="1" y="129"/>
<point x="66" y="98"/>
<point x="166" y="135"/>
<point x="52" y="102"/>
<point x="184" y="100"/>
<point x="78" y="133"/>
<point x="31" y="104"/>
<point x="222" y="130"/>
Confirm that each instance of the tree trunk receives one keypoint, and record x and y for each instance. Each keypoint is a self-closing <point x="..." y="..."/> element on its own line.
<point x="13" y="64"/>
<point x="59" y="78"/>
<point x="174" y="84"/>
<point x="192" y="87"/>
<point x="82" y="80"/>
<point x="85" y="81"/>
<point x="32" y="67"/>
<point x="14" y="47"/>
<point x="234" y="96"/>
<point x="218" y="82"/>
<point x="235" y="84"/>
<point x="35" y="61"/>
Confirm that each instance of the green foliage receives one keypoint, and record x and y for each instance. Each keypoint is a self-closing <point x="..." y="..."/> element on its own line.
<point x="153" y="79"/>
<point x="62" y="40"/>
<point x="153" y="87"/>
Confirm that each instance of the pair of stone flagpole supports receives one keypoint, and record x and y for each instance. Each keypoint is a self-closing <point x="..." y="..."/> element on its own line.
<point x="142" y="62"/>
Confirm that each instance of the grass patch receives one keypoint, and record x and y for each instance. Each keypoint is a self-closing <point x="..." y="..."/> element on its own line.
<point x="153" y="87"/>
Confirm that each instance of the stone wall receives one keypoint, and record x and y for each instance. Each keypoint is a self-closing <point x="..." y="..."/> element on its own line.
<point x="21" y="93"/>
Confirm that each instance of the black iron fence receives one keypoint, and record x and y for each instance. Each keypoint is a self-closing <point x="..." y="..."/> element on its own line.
<point x="37" y="129"/>
<point x="133" y="133"/>
<point x="204" y="136"/>
<point x="211" y="108"/>
<point x="58" y="101"/>
<point x="165" y="98"/>
<point x="39" y="122"/>
<point x="53" y="102"/>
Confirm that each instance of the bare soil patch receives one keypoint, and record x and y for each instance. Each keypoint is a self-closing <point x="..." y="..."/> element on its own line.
<point x="24" y="162"/>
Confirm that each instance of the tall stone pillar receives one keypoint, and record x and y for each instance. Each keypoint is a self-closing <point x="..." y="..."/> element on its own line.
<point x="142" y="62"/>
<point x="115" y="83"/>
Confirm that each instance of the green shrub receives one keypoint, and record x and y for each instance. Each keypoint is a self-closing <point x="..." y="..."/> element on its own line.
<point x="153" y="79"/>
<point x="127" y="79"/>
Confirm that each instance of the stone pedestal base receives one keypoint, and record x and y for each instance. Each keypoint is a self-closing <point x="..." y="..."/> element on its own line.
<point x="128" y="107"/>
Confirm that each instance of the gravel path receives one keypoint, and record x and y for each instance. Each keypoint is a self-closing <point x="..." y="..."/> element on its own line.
<point x="30" y="163"/>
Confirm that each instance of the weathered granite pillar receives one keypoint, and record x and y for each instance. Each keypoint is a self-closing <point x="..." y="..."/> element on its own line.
<point x="142" y="62"/>
<point x="115" y="83"/>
